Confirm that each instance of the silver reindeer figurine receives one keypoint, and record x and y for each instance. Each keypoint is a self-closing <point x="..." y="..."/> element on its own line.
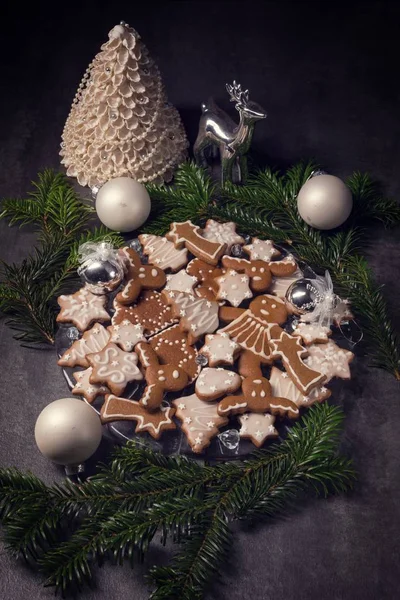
<point x="233" y="141"/>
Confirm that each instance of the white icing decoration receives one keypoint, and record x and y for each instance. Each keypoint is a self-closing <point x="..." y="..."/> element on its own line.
<point x="163" y="252"/>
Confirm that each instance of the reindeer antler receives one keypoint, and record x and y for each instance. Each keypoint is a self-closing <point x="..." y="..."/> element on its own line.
<point x="236" y="93"/>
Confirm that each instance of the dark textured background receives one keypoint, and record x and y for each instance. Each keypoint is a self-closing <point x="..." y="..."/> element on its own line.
<point x="327" y="73"/>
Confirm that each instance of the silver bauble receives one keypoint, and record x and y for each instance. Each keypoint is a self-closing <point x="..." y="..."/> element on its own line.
<point x="68" y="431"/>
<point x="302" y="296"/>
<point x="324" y="202"/>
<point x="101" y="276"/>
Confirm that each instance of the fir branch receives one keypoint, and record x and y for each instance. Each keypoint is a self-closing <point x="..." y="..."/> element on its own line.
<point x="369" y="203"/>
<point x="118" y="512"/>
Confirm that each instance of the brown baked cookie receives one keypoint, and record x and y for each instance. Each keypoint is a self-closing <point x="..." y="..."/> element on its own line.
<point x="88" y="390"/>
<point x="197" y="315"/>
<point x="214" y="383"/>
<point x="312" y="332"/>
<point x="282" y="385"/>
<point x="200" y="421"/>
<point x="290" y="351"/>
<point x="114" y="368"/>
<point x="150" y="311"/>
<point x="257" y="271"/>
<point x="224" y="233"/>
<point x="92" y="340"/>
<point x="121" y="409"/>
<point x="82" y="308"/>
<point x="188" y="235"/>
<point x="181" y="282"/>
<point x="138" y="277"/>
<point x="256" y="396"/>
<point x="205" y="274"/>
<point x="159" y="378"/>
<point x="233" y="287"/>
<point x="163" y="253"/>
<point x="172" y="347"/>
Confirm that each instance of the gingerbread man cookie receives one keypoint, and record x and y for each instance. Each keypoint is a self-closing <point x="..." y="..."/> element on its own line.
<point x="257" y="427"/>
<point x="205" y="274"/>
<point x="233" y="287"/>
<point x="126" y="335"/>
<point x="150" y="311"/>
<point x="84" y="388"/>
<point x="92" y="340"/>
<point x="198" y="316"/>
<point x="214" y="383"/>
<point x="290" y="351"/>
<point x="121" y="409"/>
<point x="282" y="385"/>
<point x="223" y="233"/>
<point x="163" y="253"/>
<point x="330" y="360"/>
<point x="220" y="349"/>
<point x="114" y="368"/>
<point x="159" y="378"/>
<point x="172" y="347"/>
<point x="257" y="397"/>
<point x="200" y="421"/>
<point x="257" y="271"/>
<point x="138" y="277"/>
<point x="189" y="235"/>
<point x="82" y="308"/>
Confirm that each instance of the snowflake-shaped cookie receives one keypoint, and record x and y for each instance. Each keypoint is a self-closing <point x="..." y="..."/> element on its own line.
<point x="233" y="287"/>
<point x="330" y="360"/>
<point x="224" y="233"/>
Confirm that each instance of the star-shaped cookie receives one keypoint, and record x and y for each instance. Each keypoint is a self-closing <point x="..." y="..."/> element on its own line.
<point x="312" y="332"/>
<point x="92" y="340"/>
<point x="330" y="360"/>
<point x="181" y="282"/>
<point x="84" y="388"/>
<point x="261" y="249"/>
<point x="114" y="368"/>
<point x="220" y="349"/>
<point x="82" y="308"/>
<point x="233" y="287"/>
<point x="126" y="335"/>
<point x="224" y="233"/>
<point x="257" y="427"/>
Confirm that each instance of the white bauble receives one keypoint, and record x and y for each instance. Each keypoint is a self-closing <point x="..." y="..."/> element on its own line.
<point x="123" y="204"/>
<point x="324" y="202"/>
<point x="68" y="431"/>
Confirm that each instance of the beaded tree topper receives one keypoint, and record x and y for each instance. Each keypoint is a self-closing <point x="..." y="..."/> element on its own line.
<point x="120" y="122"/>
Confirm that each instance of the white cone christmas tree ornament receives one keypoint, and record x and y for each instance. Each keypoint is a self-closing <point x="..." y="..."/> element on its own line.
<point x="123" y="204"/>
<point x="68" y="431"/>
<point x="324" y="202"/>
<point x="120" y="123"/>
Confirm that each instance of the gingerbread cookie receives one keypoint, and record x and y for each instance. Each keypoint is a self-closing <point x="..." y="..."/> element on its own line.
<point x="171" y="347"/>
<point x="256" y="396"/>
<point x="257" y="427"/>
<point x="84" y="388"/>
<point x="126" y="335"/>
<point x="233" y="287"/>
<point x="342" y="313"/>
<point x="198" y="316"/>
<point x="200" y="421"/>
<point x="181" y="282"/>
<point x="257" y="271"/>
<point x="220" y="349"/>
<point x="290" y="351"/>
<point x="329" y="359"/>
<point x="114" y="367"/>
<point x="151" y="312"/>
<point x="163" y="253"/>
<point x="121" y="409"/>
<point x="138" y="277"/>
<point x="189" y="235"/>
<point x="312" y="332"/>
<point x="159" y="378"/>
<point x="92" y="340"/>
<point x="283" y="268"/>
<point x="261" y="249"/>
<point x="214" y="383"/>
<point x="205" y="274"/>
<point x="282" y="385"/>
<point x="223" y="233"/>
<point x="82" y="308"/>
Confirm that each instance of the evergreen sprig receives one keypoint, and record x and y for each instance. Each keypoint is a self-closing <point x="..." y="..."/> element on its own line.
<point x="267" y="207"/>
<point x="28" y="290"/>
<point x="64" y="529"/>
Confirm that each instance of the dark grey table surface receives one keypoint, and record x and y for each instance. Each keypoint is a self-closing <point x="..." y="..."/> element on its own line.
<point x="327" y="74"/>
